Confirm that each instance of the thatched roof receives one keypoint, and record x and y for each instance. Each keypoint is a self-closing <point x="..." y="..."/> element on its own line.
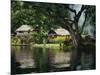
<point x="24" y="28"/>
<point x="62" y="31"/>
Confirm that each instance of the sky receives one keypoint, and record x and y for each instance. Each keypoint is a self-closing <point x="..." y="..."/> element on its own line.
<point x="88" y="28"/>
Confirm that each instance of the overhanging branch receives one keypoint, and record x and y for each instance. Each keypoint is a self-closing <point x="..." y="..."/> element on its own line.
<point x="72" y="10"/>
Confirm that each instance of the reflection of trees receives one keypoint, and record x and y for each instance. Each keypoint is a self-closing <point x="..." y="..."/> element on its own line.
<point x="40" y="60"/>
<point x="44" y="59"/>
<point x="14" y="64"/>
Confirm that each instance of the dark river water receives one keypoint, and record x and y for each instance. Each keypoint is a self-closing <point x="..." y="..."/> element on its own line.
<point x="39" y="59"/>
<point x="26" y="59"/>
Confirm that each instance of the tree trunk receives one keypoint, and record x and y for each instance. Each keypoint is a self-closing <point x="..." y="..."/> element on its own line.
<point x="77" y="43"/>
<point x="76" y="53"/>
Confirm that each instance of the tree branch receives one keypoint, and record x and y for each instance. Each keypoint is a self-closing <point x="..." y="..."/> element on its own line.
<point x="72" y="10"/>
<point x="77" y="17"/>
<point x="83" y="24"/>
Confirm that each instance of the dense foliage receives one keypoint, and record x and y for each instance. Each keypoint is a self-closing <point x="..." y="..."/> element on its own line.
<point x="42" y="14"/>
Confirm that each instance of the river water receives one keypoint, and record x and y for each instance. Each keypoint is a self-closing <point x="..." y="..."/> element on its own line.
<point x="26" y="59"/>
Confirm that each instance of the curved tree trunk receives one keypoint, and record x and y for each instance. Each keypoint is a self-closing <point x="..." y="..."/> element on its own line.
<point x="76" y="53"/>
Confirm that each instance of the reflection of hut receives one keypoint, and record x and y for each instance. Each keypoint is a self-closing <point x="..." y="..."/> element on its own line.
<point x="24" y="30"/>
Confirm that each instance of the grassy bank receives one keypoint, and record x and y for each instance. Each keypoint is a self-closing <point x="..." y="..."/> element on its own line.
<point x="54" y="46"/>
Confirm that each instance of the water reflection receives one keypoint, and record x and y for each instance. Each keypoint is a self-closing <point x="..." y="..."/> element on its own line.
<point x="41" y="59"/>
<point x="26" y="59"/>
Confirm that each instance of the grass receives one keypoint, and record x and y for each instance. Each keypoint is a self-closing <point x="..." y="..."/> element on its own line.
<point x="53" y="46"/>
<point x="60" y="39"/>
<point x="57" y="44"/>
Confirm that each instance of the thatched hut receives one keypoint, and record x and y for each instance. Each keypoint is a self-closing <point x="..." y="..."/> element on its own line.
<point x="58" y="34"/>
<point x="24" y="30"/>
